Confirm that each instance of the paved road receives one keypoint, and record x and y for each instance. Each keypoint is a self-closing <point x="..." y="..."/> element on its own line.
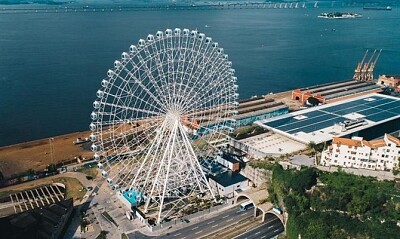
<point x="203" y="228"/>
<point x="268" y="229"/>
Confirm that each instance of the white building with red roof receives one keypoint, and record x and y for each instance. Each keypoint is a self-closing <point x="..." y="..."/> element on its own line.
<point x="381" y="154"/>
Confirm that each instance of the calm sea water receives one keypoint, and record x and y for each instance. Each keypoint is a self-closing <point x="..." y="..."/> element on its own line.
<point x="51" y="64"/>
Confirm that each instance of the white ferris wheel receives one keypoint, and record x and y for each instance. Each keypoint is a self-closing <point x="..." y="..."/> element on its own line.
<point x="155" y="115"/>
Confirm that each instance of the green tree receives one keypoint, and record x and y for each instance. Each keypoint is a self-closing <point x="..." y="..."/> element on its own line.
<point x="313" y="101"/>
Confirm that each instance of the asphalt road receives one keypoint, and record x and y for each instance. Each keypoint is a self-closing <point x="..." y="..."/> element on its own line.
<point x="203" y="228"/>
<point x="268" y="229"/>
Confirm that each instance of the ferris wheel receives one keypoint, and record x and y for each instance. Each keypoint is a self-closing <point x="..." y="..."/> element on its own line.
<point x="155" y="115"/>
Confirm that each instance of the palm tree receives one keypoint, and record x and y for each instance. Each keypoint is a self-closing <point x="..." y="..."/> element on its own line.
<point x="312" y="145"/>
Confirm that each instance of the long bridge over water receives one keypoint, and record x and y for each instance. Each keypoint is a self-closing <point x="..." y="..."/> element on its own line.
<point x="116" y="8"/>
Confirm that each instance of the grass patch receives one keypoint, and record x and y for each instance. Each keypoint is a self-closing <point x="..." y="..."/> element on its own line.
<point x="92" y="172"/>
<point x="74" y="188"/>
<point x="5" y="193"/>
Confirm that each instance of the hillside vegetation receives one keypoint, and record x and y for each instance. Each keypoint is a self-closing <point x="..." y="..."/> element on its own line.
<point x="336" y="205"/>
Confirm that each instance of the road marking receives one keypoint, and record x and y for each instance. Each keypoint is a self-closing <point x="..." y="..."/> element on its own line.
<point x="263" y="237"/>
<point x="276" y="230"/>
<point x="258" y="233"/>
<point x="211" y="222"/>
<point x="270" y="226"/>
<point x="198" y="232"/>
<point x="177" y="234"/>
<point x="194" y="228"/>
<point x="225" y="216"/>
<point x="216" y="225"/>
<point x="229" y="220"/>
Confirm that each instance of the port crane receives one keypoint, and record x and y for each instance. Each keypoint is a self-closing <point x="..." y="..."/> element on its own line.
<point x="357" y="71"/>
<point x="370" y="71"/>
<point x="364" y="70"/>
<point x="365" y="67"/>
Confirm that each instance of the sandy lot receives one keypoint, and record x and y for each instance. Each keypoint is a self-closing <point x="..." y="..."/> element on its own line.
<point x="286" y="98"/>
<point x="36" y="155"/>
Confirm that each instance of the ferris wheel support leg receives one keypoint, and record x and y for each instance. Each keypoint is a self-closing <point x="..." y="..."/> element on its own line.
<point x="192" y="157"/>
<point x="147" y="155"/>
<point x="156" y="179"/>
<point x="154" y="155"/>
<point x="170" y="158"/>
<point x="199" y="167"/>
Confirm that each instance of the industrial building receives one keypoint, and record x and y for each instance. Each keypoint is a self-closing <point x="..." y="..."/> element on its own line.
<point x="390" y="81"/>
<point x="332" y="92"/>
<point x="258" y="108"/>
<point x="380" y="154"/>
<point x="367" y="116"/>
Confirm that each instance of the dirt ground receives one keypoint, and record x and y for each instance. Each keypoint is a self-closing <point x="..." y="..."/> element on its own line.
<point x="73" y="186"/>
<point x="36" y="155"/>
<point x="286" y="98"/>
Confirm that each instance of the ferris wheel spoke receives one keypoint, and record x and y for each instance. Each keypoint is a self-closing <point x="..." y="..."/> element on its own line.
<point x="124" y="107"/>
<point x="210" y="87"/>
<point x="153" y="113"/>
<point x="134" y="79"/>
<point x="210" y="60"/>
<point x="201" y="85"/>
<point x="159" y="65"/>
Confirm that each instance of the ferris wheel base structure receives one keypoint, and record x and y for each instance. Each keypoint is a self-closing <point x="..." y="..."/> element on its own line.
<point x="154" y="117"/>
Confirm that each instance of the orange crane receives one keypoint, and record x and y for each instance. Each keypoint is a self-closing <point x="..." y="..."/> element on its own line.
<point x="366" y="66"/>
<point x="370" y="72"/>
<point x="357" y="71"/>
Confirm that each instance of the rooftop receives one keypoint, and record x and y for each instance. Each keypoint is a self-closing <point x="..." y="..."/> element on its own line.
<point x="302" y="160"/>
<point x="358" y="141"/>
<point x="271" y="143"/>
<point x="321" y="123"/>
<point x="229" y="158"/>
<point x="228" y="178"/>
<point x="132" y="196"/>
